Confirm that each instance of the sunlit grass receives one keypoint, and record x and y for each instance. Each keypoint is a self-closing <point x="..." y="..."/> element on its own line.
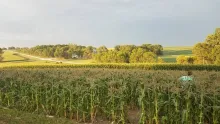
<point x="11" y="59"/>
<point x="10" y="56"/>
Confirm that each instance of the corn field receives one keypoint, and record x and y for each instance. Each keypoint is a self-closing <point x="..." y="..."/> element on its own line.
<point x="120" y="96"/>
<point x="144" y="66"/>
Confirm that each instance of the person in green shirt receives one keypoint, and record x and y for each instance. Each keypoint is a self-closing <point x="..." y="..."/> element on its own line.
<point x="186" y="81"/>
<point x="189" y="77"/>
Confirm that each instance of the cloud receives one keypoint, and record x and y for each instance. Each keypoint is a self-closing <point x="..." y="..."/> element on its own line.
<point x="96" y="21"/>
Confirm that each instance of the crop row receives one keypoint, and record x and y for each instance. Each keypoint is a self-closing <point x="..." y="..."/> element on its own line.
<point x="122" y="66"/>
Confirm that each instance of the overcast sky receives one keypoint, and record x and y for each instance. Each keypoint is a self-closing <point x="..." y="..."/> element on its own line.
<point x="107" y="22"/>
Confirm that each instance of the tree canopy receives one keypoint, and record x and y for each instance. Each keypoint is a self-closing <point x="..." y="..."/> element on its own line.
<point x="59" y="51"/>
<point x="145" y="53"/>
<point x="186" y="59"/>
<point x="207" y="52"/>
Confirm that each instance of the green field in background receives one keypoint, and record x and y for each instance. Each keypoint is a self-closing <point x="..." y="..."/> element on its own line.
<point x="170" y="53"/>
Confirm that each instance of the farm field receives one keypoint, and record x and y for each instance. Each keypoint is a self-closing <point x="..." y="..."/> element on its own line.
<point x="109" y="62"/>
<point x="112" y="95"/>
<point x="9" y="56"/>
<point x="83" y="91"/>
<point x="170" y="53"/>
<point x="13" y="58"/>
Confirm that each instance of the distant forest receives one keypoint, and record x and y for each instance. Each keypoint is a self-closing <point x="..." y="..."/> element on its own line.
<point x="146" y="53"/>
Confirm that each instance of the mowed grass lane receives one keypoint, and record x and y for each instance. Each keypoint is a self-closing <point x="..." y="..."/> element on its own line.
<point x="12" y="58"/>
<point x="9" y="56"/>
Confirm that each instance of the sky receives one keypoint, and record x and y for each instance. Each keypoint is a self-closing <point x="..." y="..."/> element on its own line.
<point x="26" y="23"/>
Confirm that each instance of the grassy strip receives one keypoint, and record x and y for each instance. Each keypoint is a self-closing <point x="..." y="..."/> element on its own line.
<point x="9" y="56"/>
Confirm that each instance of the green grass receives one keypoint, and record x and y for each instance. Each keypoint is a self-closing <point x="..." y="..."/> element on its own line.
<point x="12" y="116"/>
<point x="170" y="53"/>
<point x="11" y="58"/>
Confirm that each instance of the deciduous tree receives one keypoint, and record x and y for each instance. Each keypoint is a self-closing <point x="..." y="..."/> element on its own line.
<point x="207" y="51"/>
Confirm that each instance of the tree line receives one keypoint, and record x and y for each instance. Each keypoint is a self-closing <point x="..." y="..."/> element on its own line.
<point x="60" y="51"/>
<point x="119" y="54"/>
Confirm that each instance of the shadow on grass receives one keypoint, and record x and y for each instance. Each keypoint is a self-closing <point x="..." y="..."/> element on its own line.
<point x="18" y="61"/>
